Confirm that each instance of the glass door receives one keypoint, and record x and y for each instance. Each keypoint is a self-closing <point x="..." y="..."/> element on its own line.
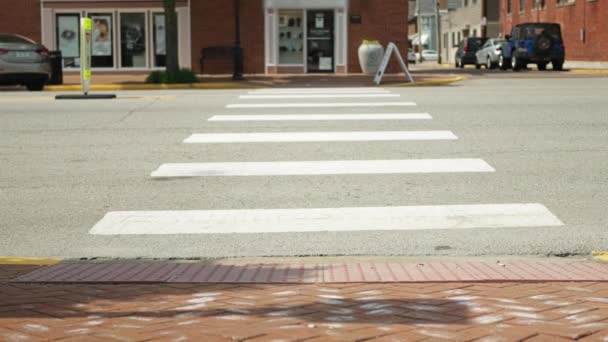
<point x="320" y="40"/>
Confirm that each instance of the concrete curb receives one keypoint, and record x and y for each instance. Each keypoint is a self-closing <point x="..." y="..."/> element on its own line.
<point x="144" y="86"/>
<point x="589" y="71"/>
<point x="600" y="255"/>
<point x="222" y="85"/>
<point x="431" y="83"/>
<point x="29" y="261"/>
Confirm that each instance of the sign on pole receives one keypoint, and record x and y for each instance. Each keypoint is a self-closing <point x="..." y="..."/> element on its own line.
<point x="86" y="25"/>
<point x="86" y="43"/>
<point x="390" y="50"/>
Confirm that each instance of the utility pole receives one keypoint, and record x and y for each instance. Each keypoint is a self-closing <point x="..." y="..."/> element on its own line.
<point x="484" y="19"/>
<point x="438" y="28"/>
<point x="419" y="25"/>
<point x="238" y="51"/>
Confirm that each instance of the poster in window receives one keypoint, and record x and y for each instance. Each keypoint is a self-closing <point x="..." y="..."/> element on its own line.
<point x="67" y="31"/>
<point x="102" y="35"/>
<point x="159" y="35"/>
<point x="325" y="63"/>
<point x="320" y="21"/>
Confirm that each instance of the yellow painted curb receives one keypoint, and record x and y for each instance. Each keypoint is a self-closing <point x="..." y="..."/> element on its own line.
<point x="441" y="82"/>
<point x="144" y="86"/>
<point x="600" y="255"/>
<point x="589" y="71"/>
<point x="28" y="261"/>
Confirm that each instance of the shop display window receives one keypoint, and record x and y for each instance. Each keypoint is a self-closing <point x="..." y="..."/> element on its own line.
<point x="133" y="40"/>
<point x="102" y="54"/>
<point x="68" y="39"/>
<point x="160" y="48"/>
<point x="291" y="37"/>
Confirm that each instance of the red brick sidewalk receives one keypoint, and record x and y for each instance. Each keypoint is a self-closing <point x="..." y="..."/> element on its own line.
<point x="328" y="312"/>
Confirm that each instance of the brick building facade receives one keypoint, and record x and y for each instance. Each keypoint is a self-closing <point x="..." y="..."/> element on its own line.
<point x="277" y="36"/>
<point x="583" y="23"/>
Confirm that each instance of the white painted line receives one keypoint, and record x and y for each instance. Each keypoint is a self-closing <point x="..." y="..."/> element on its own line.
<point x="321" y="117"/>
<point x="333" y="167"/>
<point x="318" y="90"/>
<point x="315" y="96"/>
<point x="325" y="219"/>
<point x="219" y="138"/>
<point x="322" y="104"/>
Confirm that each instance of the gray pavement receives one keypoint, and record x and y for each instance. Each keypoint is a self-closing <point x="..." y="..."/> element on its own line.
<point x="65" y="164"/>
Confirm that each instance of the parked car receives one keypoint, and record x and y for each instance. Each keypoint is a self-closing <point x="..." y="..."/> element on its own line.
<point x="411" y="56"/>
<point x="429" y="55"/>
<point x="539" y="43"/>
<point x="23" y="62"/>
<point x="466" y="51"/>
<point x="489" y="54"/>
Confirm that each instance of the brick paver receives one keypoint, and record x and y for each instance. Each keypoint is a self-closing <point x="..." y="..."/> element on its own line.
<point x="302" y="312"/>
<point x="364" y="272"/>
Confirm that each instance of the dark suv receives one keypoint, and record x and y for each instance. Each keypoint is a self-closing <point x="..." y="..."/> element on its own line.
<point x="466" y="51"/>
<point x="538" y="43"/>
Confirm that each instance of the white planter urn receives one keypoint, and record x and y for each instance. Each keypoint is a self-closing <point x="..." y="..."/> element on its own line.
<point x="371" y="53"/>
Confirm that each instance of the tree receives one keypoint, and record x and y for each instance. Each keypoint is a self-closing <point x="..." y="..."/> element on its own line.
<point x="172" y="65"/>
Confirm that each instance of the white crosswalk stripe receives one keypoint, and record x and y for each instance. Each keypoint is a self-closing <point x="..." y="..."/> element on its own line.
<point x="329" y="167"/>
<point x="339" y="219"/>
<point x="326" y="219"/>
<point x="321" y="104"/>
<point x="319" y="91"/>
<point x="321" y="117"/>
<point x="315" y="96"/>
<point x="218" y="138"/>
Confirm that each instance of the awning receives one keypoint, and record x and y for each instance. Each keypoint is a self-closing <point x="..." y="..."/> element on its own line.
<point x="415" y="40"/>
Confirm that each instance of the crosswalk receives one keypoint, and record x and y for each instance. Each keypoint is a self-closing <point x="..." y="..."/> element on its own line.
<point x="253" y="107"/>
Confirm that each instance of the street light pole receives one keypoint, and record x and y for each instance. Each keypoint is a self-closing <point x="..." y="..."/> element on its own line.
<point x="238" y="52"/>
<point x="438" y="19"/>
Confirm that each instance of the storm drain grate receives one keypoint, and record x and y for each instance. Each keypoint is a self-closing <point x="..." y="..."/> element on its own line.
<point x="371" y="272"/>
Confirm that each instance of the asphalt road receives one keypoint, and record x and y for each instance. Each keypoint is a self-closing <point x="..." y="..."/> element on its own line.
<point x="65" y="164"/>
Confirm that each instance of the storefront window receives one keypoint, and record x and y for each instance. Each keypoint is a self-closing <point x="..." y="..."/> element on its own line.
<point x="160" y="49"/>
<point x="68" y="42"/>
<point x="133" y="40"/>
<point x="102" y="48"/>
<point x="291" y="37"/>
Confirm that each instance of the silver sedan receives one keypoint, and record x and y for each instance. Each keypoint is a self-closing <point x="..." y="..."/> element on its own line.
<point x="489" y="54"/>
<point x="23" y="62"/>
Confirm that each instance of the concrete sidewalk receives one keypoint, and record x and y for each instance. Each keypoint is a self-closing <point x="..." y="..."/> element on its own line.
<point x="435" y="311"/>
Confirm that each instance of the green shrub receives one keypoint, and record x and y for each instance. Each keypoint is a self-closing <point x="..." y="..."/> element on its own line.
<point x="182" y="76"/>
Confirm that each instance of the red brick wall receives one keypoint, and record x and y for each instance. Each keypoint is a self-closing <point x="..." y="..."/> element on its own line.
<point x="213" y="25"/>
<point x="383" y="20"/>
<point x="21" y="17"/>
<point x="592" y="15"/>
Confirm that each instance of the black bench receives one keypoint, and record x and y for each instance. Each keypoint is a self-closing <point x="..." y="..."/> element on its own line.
<point x="217" y="55"/>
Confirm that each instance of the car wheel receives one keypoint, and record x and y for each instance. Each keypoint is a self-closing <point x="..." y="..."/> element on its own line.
<point x="35" y="86"/>
<point x="558" y="64"/>
<point x="502" y="64"/>
<point x="541" y="66"/>
<point x="489" y="64"/>
<point x="515" y="64"/>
